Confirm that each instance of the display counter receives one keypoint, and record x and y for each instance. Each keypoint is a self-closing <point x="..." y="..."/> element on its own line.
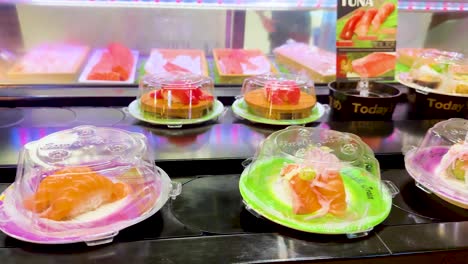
<point x="65" y="64"/>
<point x="208" y="223"/>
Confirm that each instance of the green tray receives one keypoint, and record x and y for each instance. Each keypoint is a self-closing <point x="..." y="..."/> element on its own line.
<point x="134" y="110"/>
<point x="240" y="108"/>
<point x="365" y="196"/>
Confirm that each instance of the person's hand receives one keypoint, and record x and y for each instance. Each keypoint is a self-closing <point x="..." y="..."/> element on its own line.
<point x="268" y="23"/>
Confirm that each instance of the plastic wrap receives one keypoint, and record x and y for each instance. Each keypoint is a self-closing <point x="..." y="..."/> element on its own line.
<point x="83" y="184"/>
<point x="317" y="180"/>
<point x="431" y="70"/>
<point x="440" y="164"/>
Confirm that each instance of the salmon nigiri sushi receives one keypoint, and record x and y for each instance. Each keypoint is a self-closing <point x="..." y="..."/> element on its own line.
<point x="331" y="188"/>
<point x="304" y="200"/>
<point x="315" y="191"/>
<point x="73" y="191"/>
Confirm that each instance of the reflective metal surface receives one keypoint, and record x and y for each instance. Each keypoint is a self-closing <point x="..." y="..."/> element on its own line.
<point x="213" y="204"/>
<point x="227" y="138"/>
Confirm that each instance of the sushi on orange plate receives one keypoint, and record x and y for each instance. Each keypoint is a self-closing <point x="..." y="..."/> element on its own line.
<point x="83" y="185"/>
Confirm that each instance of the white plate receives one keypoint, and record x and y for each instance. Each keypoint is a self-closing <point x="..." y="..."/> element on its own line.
<point x="405" y="79"/>
<point x="94" y="59"/>
<point x="134" y="110"/>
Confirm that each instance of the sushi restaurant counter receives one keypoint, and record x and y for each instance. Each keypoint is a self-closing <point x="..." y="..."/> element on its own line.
<point x="207" y="223"/>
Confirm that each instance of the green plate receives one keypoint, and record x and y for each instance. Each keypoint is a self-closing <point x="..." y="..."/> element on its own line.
<point x="134" y="110"/>
<point x="366" y="197"/>
<point x="240" y="108"/>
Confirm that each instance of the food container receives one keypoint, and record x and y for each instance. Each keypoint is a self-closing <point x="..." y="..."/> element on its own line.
<point x="438" y="87"/>
<point x="83" y="185"/>
<point x="431" y="70"/>
<point x="348" y="103"/>
<point x="234" y="65"/>
<point x="440" y="164"/>
<point x="283" y="98"/>
<point x="163" y="61"/>
<point x="175" y="99"/>
<point x="317" y="64"/>
<point x="317" y="180"/>
<point x="115" y="64"/>
<point x="407" y="56"/>
<point x="49" y="63"/>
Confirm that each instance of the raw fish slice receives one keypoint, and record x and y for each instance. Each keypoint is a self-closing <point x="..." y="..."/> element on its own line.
<point x="71" y="192"/>
<point x="123" y="60"/>
<point x="304" y="200"/>
<point x="363" y="26"/>
<point x="331" y="189"/>
<point x="233" y="60"/>
<point x="171" y="67"/>
<point x="374" y="64"/>
<point x="230" y="65"/>
<point x="103" y="69"/>
<point x="384" y="11"/>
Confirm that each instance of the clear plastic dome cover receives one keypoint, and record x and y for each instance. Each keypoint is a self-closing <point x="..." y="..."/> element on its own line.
<point x="440" y="163"/>
<point x="432" y="70"/>
<point x="317" y="180"/>
<point x="459" y="77"/>
<point x="83" y="184"/>
<point x="176" y="96"/>
<point x="279" y="96"/>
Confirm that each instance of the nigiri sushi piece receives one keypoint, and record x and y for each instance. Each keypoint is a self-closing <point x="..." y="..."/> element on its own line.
<point x="384" y="11"/>
<point x="363" y="26"/>
<point x="304" y="200"/>
<point x="454" y="164"/>
<point x="316" y="188"/>
<point x="331" y="187"/>
<point x="73" y="191"/>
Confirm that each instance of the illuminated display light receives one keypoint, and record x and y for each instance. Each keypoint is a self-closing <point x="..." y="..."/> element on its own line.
<point x="418" y="6"/>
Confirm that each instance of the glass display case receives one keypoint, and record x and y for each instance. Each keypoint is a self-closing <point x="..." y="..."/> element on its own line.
<point x="236" y="72"/>
<point x="60" y="42"/>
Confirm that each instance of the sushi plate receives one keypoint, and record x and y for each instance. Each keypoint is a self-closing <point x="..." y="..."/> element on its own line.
<point x="404" y="78"/>
<point x="134" y="110"/>
<point x="104" y="226"/>
<point x="368" y="200"/>
<point x="240" y="108"/>
<point x="448" y="190"/>
<point x="94" y="59"/>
